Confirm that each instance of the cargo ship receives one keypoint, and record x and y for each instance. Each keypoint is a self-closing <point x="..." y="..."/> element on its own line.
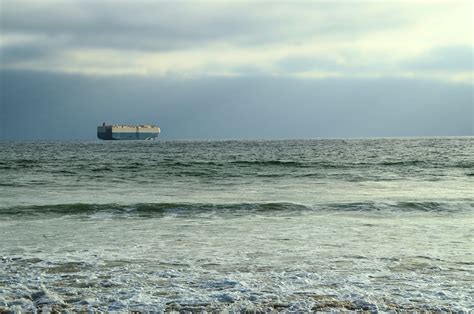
<point x="127" y="132"/>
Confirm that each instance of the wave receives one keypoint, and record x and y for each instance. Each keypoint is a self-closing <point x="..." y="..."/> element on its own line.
<point x="324" y="163"/>
<point x="163" y="209"/>
<point x="271" y="162"/>
<point x="230" y="165"/>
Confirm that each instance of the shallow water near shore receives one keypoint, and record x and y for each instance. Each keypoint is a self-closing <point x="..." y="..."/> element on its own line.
<point x="376" y="225"/>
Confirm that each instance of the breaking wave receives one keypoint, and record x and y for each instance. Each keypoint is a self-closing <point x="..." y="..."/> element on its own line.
<point x="163" y="209"/>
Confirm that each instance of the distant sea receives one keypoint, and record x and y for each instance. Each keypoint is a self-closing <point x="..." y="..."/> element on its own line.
<point x="297" y="225"/>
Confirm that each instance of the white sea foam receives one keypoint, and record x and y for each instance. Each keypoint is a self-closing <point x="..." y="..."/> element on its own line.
<point x="256" y="262"/>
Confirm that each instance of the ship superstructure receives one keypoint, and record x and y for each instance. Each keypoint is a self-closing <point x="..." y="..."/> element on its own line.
<point x="127" y="132"/>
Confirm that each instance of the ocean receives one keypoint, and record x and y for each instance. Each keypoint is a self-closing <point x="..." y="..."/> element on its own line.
<point x="293" y="225"/>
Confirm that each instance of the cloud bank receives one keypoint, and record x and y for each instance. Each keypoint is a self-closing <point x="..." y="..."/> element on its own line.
<point x="58" y="106"/>
<point x="194" y="39"/>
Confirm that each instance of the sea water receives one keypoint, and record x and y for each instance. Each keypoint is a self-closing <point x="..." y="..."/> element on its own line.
<point x="373" y="224"/>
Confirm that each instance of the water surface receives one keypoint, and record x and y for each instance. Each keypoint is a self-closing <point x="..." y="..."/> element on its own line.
<point x="376" y="224"/>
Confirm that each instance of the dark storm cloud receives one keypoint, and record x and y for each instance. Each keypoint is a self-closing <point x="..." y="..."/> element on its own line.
<point x="52" y="106"/>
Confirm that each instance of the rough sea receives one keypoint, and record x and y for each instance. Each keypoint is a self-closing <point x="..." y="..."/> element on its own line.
<point x="297" y="225"/>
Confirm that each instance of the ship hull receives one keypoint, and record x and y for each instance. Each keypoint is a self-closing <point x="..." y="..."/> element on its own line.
<point x="126" y="136"/>
<point x="111" y="133"/>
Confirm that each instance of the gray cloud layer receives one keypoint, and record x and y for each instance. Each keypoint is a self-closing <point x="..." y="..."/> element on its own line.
<point x="451" y="58"/>
<point x="342" y="36"/>
<point x="51" y="106"/>
<point x="155" y="25"/>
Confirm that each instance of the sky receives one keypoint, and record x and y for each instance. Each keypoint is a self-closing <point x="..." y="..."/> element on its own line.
<point x="237" y="69"/>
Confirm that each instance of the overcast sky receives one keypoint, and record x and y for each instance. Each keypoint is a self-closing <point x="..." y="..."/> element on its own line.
<point x="224" y="69"/>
